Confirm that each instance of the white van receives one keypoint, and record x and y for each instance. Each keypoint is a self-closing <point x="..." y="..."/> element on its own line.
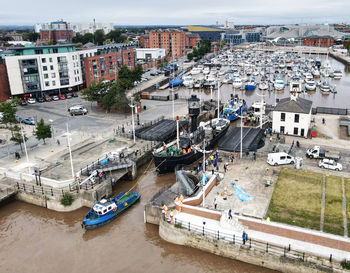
<point x="280" y="159"/>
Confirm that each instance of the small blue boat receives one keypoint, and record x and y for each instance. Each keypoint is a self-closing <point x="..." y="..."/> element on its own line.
<point x="250" y="85"/>
<point x="106" y="210"/>
<point x="234" y="109"/>
<point x="176" y="82"/>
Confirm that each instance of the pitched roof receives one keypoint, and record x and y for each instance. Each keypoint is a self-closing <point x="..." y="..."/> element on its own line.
<point x="298" y="105"/>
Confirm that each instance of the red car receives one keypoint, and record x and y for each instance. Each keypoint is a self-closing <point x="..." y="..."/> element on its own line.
<point x="61" y="97"/>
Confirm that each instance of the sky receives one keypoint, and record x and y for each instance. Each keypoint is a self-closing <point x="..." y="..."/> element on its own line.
<point x="175" y="12"/>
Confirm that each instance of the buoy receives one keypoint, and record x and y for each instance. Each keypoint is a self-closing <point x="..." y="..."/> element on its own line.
<point x="16" y="161"/>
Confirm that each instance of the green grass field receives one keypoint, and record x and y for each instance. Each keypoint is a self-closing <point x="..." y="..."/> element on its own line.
<point x="297" y="199"/>
<point x="347" y="195"/>
<point x="333" y="214"/>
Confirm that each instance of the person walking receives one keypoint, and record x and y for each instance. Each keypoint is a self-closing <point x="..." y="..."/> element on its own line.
<point x="17" y="156"/>
<point x="225" y="167"/>
<point x="58" y="142"/>
<point x="215" y="203"/>
<point x="254" y="156"/>
<point x="244" y="237"/>
<point x="229" y="214"/>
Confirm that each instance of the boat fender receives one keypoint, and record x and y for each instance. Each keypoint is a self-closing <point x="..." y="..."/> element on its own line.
<point x="125" y="204"/>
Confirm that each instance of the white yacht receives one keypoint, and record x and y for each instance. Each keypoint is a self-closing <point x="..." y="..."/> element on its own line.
<point x="295" y="85"/>
<point x="263" y="85"/>
<point x="206" y="70"/>
<point x="196" y="71"/>
<point x="310" y="84"/>
<point x="236" y="82"/>
<point x="325" y="88"/>
<point x="279" y="84"/>
<point x="188" y="81"/>
<point x="337" y="74"/>
<point x="316" y="73"/>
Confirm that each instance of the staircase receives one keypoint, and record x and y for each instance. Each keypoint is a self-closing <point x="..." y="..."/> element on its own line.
<point x="231" y="224"/>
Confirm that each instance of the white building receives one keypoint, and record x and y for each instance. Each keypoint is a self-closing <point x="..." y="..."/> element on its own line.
<point x="92" y="27"/>
<point x="150" y="53"/>
<point x="49" y="69"/>
<point x="292" y="116"/>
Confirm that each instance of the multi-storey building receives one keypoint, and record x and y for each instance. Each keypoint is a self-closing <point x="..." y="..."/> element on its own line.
<point x="43" y="69"/>
<point x="59" y="31"/>
<point x="106" y="62"/>
<point x="325" y="41"/>
<point x="173" y="41"/>
<point x="92" y="27"/>
<point x="192" y="39"/>
<point x="4" y="84"/>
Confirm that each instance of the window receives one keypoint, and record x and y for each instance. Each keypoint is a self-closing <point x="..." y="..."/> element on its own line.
<point x="43" y="60"/>
<point x="47" y="83"/>
<point x="55" y="50"/>
<point x="296" y="118"/>
<point x="283" y="116"/>
<point x="53" y="83"/>
<point x="51" y="67"/>
<point x="105" y="210"/>
<point x="50" y="60"/>
<point x="296" y="131"/>
<point x="45" y="68"/>
<point x="110" y="207"/>
<point x="38" y="51"/>
<point x="282" y="158"/>
<point x="46" y="76"/>
<point x="53" y="75"/>
<point x="282" y="129"/>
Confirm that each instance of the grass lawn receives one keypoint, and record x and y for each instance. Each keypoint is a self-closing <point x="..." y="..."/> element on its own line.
<point x="347" y="195"/>
<point x="333" y="213"/>
<point x="297" y="199"/>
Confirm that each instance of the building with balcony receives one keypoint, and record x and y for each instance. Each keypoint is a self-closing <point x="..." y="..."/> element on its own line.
<point x="43" y="69"/>
<point x="59" y="31"/>
<point x="107" y="61"/>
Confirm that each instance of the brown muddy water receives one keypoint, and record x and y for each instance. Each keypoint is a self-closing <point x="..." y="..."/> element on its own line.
<point x="35" y="239"/>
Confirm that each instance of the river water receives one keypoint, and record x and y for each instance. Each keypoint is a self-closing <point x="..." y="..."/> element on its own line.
<point x="336" y="100"/>
<point x="35" y="239"/>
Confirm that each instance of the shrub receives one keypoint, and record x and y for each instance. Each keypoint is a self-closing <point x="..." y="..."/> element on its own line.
<point x="67" y="199"/>
<point x="345" y="264"/>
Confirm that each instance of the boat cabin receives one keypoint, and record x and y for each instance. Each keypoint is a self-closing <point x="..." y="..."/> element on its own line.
<point x="104" y="206"/>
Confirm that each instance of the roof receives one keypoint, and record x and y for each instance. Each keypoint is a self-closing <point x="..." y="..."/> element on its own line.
<point x="297" y="105"/>
<point x="200" y="28"/>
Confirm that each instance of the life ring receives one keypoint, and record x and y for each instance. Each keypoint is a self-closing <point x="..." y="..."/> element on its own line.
<point x="115" y="209"/>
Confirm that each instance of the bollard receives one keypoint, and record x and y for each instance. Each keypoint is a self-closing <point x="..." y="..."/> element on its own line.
<point x="33" y="189"/>
<point x="189" y="226"/>
<point x="24" y="187"/>
<point x="330" y="258"/>
<point x="42" y="190"/>
<point x="203" y="230"/>
<point x="267" y="247"/>
<point x="303" y="256"/>
<point x="51" y="192"/>
<point x="218" y="236"/>
<point x="289" y="247"/>
<point x="250" y="243"/>
<point x="233" y="239"/>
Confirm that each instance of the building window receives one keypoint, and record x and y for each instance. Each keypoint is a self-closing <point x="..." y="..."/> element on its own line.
<point x="50" y="60"/>
<point x="43" y="60"/>
<point x="45" y="68"/>
<point x="51" y="67"/>
<point x="282" y="129"/>
<point x="46" y="76"/>
<point x="296" y="131"/>
<point x="296" y="118"/>
<point x="53" y="83"/>
<point x="47" y="84"/>
<point x="53" y="75"/>
<point x="38" y="51"/>
<point x="283" y="116"/>
<point x="55" y="50"/>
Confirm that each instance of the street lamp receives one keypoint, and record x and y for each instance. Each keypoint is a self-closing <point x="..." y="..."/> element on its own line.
<point x="70" y="152"/>
<point x="241" y="146"/>
<point x="132" y="105"/>
<point x="25" y="147"/>
<point x="261" y="107"/>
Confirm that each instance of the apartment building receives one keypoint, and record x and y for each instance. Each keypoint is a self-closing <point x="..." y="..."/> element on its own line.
<point x="106" y="62"/>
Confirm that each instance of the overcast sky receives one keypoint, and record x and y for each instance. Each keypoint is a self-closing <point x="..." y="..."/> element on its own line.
<point x="175" y="12"/>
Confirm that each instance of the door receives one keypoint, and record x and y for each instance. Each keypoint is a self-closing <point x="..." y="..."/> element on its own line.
<point x="302" y="131"/>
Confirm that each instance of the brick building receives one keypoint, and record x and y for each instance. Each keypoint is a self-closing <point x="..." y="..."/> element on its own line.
<point x="56" y="35"/>
<point x="325" y="41"/>
<point x="107" y="61"/>
<point x="4" y="82"/>
<point x="192" y="39"/>
<point x="144" y="41"/>
<point x="173" y="41"/>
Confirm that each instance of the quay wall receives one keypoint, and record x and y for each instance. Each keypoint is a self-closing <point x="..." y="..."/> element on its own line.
<point x="340" y="57"/>
<point x="181" y="236"/>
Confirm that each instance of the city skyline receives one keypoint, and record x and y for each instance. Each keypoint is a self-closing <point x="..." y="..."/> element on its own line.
<point x="155" y="12"/>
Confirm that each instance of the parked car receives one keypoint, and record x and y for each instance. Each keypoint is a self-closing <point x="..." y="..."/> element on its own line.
<point x="330" y="164"/>
<point x="41" y="99"/>
<point x="68" y="96"/>
<point x="317" y="152"/>
<point x="47" y="98"/>
<point x="62" y="97"/>
<point x="75" y="95"/>
<point x="29" y="121"/>
<point x="23" y="103"/>
<point x="55" y="98"/>
<point x="31" y="101"/>
<point x="75" y="106"/>
<point x="280" y="159"/>
<point x="78" y="111"/>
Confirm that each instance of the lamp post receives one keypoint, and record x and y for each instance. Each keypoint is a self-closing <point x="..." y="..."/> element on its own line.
<point x="25" y="148"/>
<point x="261" y="108"/>
<point x="203" y="173"/>
<point x="241" y="146"/>
<point x="70" y="152"/>
<point x="218" y="98"/>
<point x="132" y="105"/>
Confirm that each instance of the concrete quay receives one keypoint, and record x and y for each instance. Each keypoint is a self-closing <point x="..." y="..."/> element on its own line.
<point x="345" y="59"/>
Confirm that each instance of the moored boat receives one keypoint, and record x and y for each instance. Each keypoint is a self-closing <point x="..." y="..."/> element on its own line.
<point x="106" y="210"/>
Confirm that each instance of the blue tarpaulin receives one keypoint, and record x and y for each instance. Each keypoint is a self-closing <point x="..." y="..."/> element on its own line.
<point x="104" y="161"/>
<point x="242" y="196"/>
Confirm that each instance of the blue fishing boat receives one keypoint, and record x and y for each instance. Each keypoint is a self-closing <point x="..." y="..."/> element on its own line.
<point x="233" y="109"/>
<point x="176" y="82"/>
<point x="106" y="210"/>
<point x="250" y="85"/>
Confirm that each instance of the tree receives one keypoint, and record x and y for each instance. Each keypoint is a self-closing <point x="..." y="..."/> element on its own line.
<point x="17" y="136"/>
<point x="115" y="35"/>
<point x="8" y="112"/>
<point x="96" y="91"/>
<point x="67" y="199"/>
<point x="42" y="131"/>
<point x="190" y="56"/>
<point x="99" y="36"/>
<point x="125" y="77"/>
<point x="348" y="46"/>
<point x="32" y="36"/>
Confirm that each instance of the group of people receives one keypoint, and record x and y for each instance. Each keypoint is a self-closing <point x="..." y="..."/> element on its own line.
<point x="213" y="160"/>
<point x="165" y="214"/>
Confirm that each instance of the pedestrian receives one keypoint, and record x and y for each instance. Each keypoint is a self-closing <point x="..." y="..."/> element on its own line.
<point x="244" y="237"/>
<point x="233" y="156"/>
<point x="323" y="121"/>
<point x="123" y="129"/>
<point x="217" y="167"/>
<point x="215" y="203"/>
<point x="229" y="214"/>
<point x="104" y="175"/>
<point x="172" y="216"/>
<point x="58" y="142"/>
<point x="225" y="167"/>
<point x="100" y="176"/>
<point x="254" y="156"/>
<point x="278" y="135"/>
<point x="17" y="156"/>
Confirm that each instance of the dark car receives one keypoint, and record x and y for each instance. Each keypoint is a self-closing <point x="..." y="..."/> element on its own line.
<point x="75" y="95"/>
<point x="41" y="99"/>
<point x="68" y="96"/>
<point x="23" y="103"/>
<point x="47" y="98"/>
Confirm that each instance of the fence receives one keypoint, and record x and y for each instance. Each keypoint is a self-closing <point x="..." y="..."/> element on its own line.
<point x="264" y="247"/>
<point x="46" y="191"/>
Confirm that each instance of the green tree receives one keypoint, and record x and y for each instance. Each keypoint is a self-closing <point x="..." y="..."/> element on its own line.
<point x="99" y="37"/>
<point x="67" y="199"/>
<point x="125" y="77"/>
<point x="96" y="91"/>
<point x="116" y="36"/>
<point x="31" y="36"/>
<point x="348" y="46"/>
<point x="42" y="131"/>
<point x="17" y="136"/>
<point x="8" y="113"/>
<point x="190" y="56"/>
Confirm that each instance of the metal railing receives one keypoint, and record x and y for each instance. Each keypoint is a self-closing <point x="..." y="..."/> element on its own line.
<point x="46" y="191"/>
<point x="264" y="247"/>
